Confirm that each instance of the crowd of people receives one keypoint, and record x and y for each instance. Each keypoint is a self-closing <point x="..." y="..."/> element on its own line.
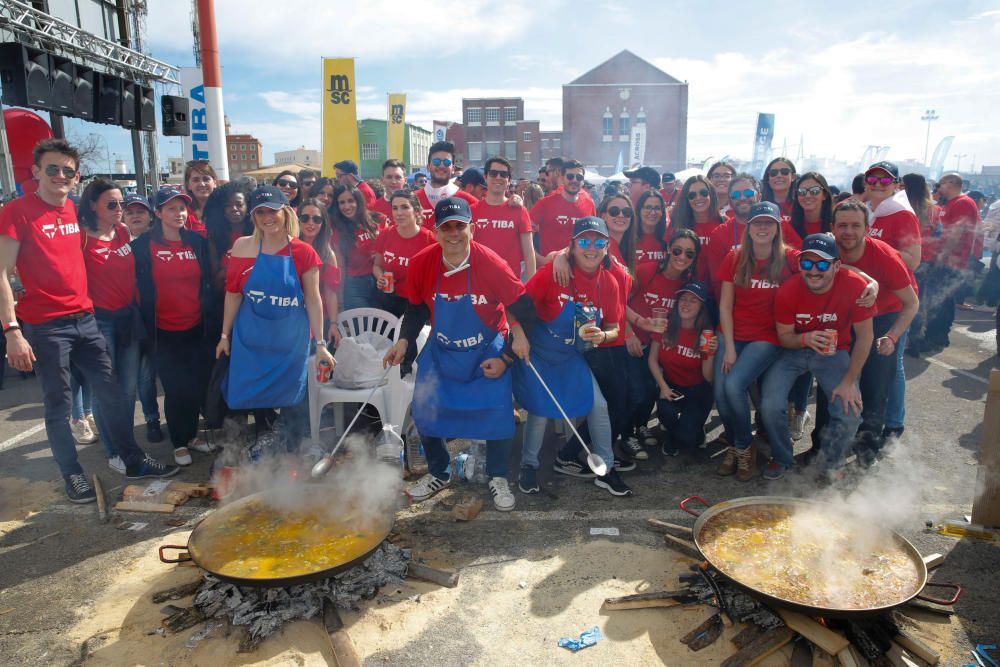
<point x="658" y="298"/>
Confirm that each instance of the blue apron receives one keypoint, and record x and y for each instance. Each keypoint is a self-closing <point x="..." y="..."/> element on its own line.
<point x="554" y="355"/>
<point x="269" y="350"/>
<point x="451" y="396"/>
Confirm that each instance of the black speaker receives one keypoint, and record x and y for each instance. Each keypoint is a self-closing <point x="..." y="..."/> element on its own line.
<point x="83" y="92"/>
<point x="175" y="116"/>
<point x="62" y="74"/>
<point x="24" y="73"/>
<point x="145" y="107"/>
<point x="129" y="110"/>
<point x="108" y="99"/>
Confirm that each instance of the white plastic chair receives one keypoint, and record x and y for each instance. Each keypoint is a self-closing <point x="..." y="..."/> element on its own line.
<point x="391" y="399"/>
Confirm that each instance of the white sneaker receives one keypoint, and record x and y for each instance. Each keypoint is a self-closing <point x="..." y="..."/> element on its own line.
<point x="427" y="486"/>
<point x="182" y="456"/>
<point x="200" y="445"/>
<point x="82" y="432"/>
<point x="116" y="464"/>
<point x="503" y="499"/>
<point x="797" y="423"/>
<point x="93" y="426"/>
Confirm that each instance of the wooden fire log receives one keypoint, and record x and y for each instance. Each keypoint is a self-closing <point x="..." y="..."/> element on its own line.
<point x="446" y="578"/>
<point x="760" y="648"/>
<point x="646" y="600"/>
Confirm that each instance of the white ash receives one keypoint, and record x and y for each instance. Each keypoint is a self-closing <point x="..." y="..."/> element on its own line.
<point x="265" y="610"/>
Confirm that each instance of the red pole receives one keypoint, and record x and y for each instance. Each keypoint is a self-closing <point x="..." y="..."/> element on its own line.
<point x="209" y="44"/>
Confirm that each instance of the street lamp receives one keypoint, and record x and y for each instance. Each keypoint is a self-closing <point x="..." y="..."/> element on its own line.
<point x="958" y="161"/>
<point x="929" y="116"/>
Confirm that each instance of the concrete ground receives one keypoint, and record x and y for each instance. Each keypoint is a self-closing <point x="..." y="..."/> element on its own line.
<point x="73" y="590"/>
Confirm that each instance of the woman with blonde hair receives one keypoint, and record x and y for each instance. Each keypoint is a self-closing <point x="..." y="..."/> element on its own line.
<point x="272" y="304"/>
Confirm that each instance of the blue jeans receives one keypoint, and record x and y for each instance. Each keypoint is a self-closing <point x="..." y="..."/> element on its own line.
<point x="359" y="292"/>
<point x="753" y="358"/>
<point x="82" y="397"/>
<point x="609" y="367"/>
<point x="799" y="395"/>
<point x="836" y="434"/>
<point x="125" y="364"/>
<point x="439" y="460"/>
<point x="57" y="344"/>
<point x="895" y="410"/>
<point x="877" y="377"/>
<point x="600" y="432"/>
<point x="684" y="419"/>
<point x="642" y="391"/>
<point x="146" y="385"/>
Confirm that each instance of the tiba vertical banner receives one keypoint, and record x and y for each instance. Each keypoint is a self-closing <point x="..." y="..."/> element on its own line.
<point x="340" y="115"/>
<point x="397" y="125"/>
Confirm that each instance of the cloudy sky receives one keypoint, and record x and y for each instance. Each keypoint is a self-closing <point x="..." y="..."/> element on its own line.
<point x="840" y="76"/>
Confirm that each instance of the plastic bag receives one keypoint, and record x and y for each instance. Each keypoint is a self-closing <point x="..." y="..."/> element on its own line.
<point x="359" y="361"/>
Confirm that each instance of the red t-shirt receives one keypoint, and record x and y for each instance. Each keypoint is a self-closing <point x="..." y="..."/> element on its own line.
<point x="883" y="263"/>
<point x="624" y="280"/>
<point x="329" y="277"/>
<point x="499" y="228"/>
<point x="653" y="290"/>
<point x="177" y="278"/>
<point x="304" y="257"/>
<point x="384" y="207"/>
<point x="367" y="193"/>
<point x="681" y="363"/>
<point x="900" y="229"/>
<point x="195" y="224"/>
<point x="49" y="261"/>
<point x="111" y="270"/>
<point x="930" y="236"/>
<point x="599" y="288"/>
<point x="362" y="254"/>
<point x="729" y="236"/>
<point x="753" y="305"/>
<point x="836" y="309"/>
<point x="427" y="209"/>
<point x="650" y="249"/>
<point x="812" y="228"/>
<point x="397" y="252"/>
<point x="554" y="217"/>
<point x="960" y="212"/>
<point x="492" y="283"/>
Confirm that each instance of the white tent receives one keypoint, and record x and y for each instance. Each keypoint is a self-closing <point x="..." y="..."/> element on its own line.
<point x="592" y="177"/>
<point x="688" y="173"/>
<point x="620" y="177"/>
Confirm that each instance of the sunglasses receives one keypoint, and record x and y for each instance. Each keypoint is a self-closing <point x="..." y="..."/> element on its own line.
<point x="287" y="184"/>
<point x="653" y="209"/>
<point x="494" y="173"/>
<point x="881" y="180"/>
<point x="615" y="211"/>
<point x="600" y="244"/>
<point x="305" y="217"/>
<point x="739" y="194"/>
<point x="437" y="162"/>
<point x="53" y="170"/>
<point x="820" y="264"/>
<point x="784" y="171"/>
<point x="677" y="252"/>
<point x="697" y="193"/>
<point x="115" y="203"/>
<point x="574" y="177"/>
<point x="812" y="190"/>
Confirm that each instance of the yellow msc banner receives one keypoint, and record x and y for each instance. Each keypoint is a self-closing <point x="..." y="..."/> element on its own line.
<point x="340" y="115"/>
<point x="396" y="125"/>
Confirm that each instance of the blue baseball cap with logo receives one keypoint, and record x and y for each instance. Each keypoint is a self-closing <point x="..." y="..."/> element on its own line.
<point x="764" y="209"/>
<point x="822" y="245"/>
<point x="269" y="196"/>
<point x="133" y="198"/>
<point x="695" y="288"/>
<point x="590" y="223"/>
<point x="887" y="167"/>
<point x="168" y="192"/>
<point x="452" y="208"/>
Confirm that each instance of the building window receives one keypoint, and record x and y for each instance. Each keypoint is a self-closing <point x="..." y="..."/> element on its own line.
<point x="555" y="144"/>
<point x="510" y="150"/>
<point x="492" y="115"/>
<point x="624" y="125"/>
<point x="233" y="157"/>
<point x="527" y="136"/>
<point x="473" y="115"/>
<point x="369" y="151"/>
<point x="526" y="158"/>
<point x="510" y="114"/>
<point x="475" y="151"/>
<point x="253" y="156"/>
<point x="492" y="148"/>
<point x="243" y="147"/>
<point x="607" y="128"/>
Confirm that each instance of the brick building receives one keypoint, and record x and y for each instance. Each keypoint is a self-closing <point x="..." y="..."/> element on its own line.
<point x="496" y="126"/>
<point x="244" y="152"/>
<point x="601" y="106"/>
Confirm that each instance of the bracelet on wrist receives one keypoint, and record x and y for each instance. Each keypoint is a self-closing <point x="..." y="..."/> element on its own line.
<point x="890" y="337"/>
<point x="804" y="341"/>
<point x="224" y="336"/>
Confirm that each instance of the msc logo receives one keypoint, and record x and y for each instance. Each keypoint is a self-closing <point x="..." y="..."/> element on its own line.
<point x="255" y="296"/>
<point x="396" y="113"/>
<point x="340" y="89"/>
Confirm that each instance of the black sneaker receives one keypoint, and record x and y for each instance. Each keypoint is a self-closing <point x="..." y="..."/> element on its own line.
<point x="79" y="490"/>
<point x="668" y="448"/>
<point x="889" y="432"/>
<point x="528" y="480"/>
<point x="153" y="432"/>
<point x="632" y="449"/>
<point x="573" y="468"/>
<point x="613" y="483"/>
<point x="150" y="467"/>
<point x="624" y="465"/>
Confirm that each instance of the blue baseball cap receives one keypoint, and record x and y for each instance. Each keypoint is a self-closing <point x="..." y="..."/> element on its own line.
<point x="887" y="167"/>
<point x="347" y="166"/>
<point x="452" y="208"/>
<point x="590" y="223"/>
<point x="822" y="245"/>
<point x="269" y="196"/>
<point x="168" y="192"/>
<point x="137" y="199"/>
<point x="765" y="209"/>
<point x="695" y="288"/>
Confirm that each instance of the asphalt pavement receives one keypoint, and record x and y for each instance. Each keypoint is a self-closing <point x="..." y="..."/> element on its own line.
<point x="55" y="562"/>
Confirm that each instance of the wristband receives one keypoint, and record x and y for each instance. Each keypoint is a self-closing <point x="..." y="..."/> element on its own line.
<point x="604" y="337"/>
<point x="890" y="337"/>
<point x="11" y="327"/>
<point x="224" y="336"/>
<point x="321" y="343"/>
<point x="804" y="341"/>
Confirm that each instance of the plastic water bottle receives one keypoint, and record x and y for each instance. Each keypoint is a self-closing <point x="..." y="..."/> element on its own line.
<point x="477" y="475"/>
<point x="461" y="465"/>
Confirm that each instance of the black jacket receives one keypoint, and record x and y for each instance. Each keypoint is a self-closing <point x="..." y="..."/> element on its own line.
<point x="147" y="288"/>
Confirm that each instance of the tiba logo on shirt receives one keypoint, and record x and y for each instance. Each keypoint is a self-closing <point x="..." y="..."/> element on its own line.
<point x="258" y="296"/>
<point x="477" y="299"/>
<point x="763" y="283"/>
<point x="392" y="258"/>
<point x="655" y="300"/>
<point x="805" y="319"/>
<point x="875" y="233"/>
<point x="167" y="255"/>
<point x="461" y="342"/>
<point x="689" y="352"/>
<point x="650" y="255"/>
<point x="164" y="255"/>
<point x="484" y="223"/>
<point x="564" y="220"/>
<point x="103" y="252"/>
<point x="51" y="229"/>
